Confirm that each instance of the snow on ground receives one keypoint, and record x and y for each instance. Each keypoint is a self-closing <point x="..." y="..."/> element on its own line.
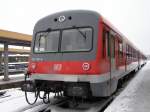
<point x="136" y="96"/>
<point x="15" y="102"/>
<point x="11" y="94"/>
<point x="13" y="76"/>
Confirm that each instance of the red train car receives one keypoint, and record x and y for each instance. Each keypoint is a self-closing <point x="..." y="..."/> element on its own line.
<point x="81" y="54"/>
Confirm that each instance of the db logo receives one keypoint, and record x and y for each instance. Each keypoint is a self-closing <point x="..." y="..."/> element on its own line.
<point x="86" y="66"/>
<point x="57" y="67"/>
<point x="61" y="18"/>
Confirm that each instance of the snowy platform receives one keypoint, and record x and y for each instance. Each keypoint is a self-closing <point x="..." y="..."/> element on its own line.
<point x="136" y="96"/>
<point x="14" y="101"/>
<point x="15" y="81"/>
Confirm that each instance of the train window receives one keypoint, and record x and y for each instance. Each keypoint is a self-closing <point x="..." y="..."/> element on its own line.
<point x="106" y="44"/>
<point x="52" y="41"/>
<point x="39" y="43"/>
<point x="21" y="58"/>
<point x="112" y="46"/>
<point x="76" y="39"/>
<point x="47" y="42"/>
<point x="128" y="52"/>
<point x="120" y="49"/>
<point x="42" y="42"/>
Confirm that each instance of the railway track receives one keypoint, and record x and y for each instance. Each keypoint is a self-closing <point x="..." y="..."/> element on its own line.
<point x="67" y="105"/>
<point x="95" y="106"/>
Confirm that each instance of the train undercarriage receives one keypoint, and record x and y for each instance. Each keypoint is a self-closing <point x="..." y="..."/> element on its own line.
<point x="73" y="90"/>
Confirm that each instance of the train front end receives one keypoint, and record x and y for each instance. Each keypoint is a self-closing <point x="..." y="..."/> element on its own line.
<point x="65" y="53"/>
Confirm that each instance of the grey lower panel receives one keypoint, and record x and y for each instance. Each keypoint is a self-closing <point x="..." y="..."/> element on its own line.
<point x="104" y="89"/>
<point x="72" y="78"/>
<point x="132" y="67"/>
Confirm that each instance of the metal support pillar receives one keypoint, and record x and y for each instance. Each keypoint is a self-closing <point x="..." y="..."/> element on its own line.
<point x="6" y="77"/>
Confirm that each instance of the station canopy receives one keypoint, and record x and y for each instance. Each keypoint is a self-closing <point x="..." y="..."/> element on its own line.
<point x="14" y="38"/>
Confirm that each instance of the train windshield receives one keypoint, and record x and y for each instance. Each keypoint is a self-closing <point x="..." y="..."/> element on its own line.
<point x="70" y="40"/>
<point x="76" y="39"/>
<point x="47" y="41"/>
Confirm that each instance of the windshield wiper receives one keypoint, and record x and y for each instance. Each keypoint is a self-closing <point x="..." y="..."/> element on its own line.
<point x="47" y="30"/>
<point x="83" y="34"/>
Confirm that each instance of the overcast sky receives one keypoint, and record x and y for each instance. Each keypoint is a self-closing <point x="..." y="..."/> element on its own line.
<point x="131" y="17"/>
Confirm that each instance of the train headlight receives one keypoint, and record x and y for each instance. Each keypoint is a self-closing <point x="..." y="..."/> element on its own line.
<point x="86" y="66"/>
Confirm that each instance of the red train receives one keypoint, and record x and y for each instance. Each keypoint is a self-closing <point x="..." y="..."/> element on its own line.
<point x="80" y="54"/>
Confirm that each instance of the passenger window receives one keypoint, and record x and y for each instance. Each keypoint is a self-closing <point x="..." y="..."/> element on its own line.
<point x="108" y="44"/>
<point x="128" y="53"/>
<point x="104" y="44"/>
<point x="120" y="49"/>
<point x="112" y="46"/>
<point x="106" y="48"/>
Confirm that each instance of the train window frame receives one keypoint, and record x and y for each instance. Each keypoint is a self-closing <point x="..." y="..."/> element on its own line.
<point x="38" y="38"/>
<point x="60" y="39"/>
<point x="127" y="52"/>
<point x="120" y="49"/>
<point x="106" y="43"/>
<point x="42" y="43"/>
<point x="112" y="40"/>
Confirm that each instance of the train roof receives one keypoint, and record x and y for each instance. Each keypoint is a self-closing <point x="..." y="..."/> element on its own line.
<point x="70" y="12"/>
<point x="51" y="18"/>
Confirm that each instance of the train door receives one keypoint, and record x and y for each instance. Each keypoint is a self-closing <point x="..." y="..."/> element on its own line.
<point x="109" y="39"/>
<point x="112" y="60"/>
<point x="112" y="53"/>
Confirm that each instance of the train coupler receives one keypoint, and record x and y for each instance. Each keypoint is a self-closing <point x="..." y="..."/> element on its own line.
<point x="28" y="87"/>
